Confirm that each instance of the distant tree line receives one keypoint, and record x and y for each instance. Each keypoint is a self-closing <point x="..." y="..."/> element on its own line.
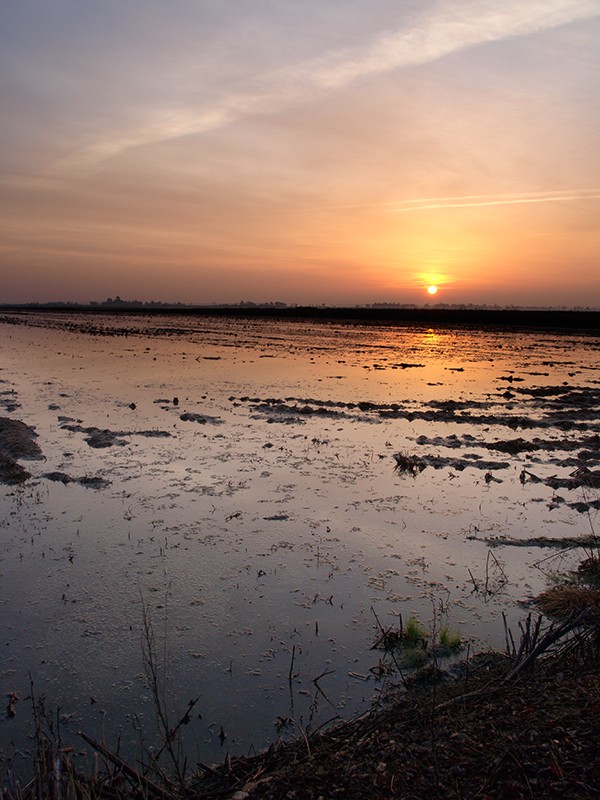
<point x="118" y="303"/>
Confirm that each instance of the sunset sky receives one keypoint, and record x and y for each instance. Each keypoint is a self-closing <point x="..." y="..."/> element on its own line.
<point x="308" y="151"/>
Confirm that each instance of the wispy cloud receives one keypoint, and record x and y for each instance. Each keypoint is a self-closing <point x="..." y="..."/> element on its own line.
<point x="447" y="27"/>
<point x="475" y="200"/>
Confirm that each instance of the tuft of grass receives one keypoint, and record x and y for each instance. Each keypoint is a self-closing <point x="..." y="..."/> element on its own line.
<point x="411" y="646"/>
<point x="411" y="636"/>
<point x="414" y="634"/>
<point x="449" y="641"/>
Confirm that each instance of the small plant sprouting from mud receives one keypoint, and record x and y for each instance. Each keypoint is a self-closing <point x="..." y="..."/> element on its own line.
<point x="411" y="635"/>
<point x="412" y="646"/>
<point x="393" y="642"/>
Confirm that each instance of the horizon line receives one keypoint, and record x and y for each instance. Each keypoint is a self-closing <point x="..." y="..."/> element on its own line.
<point x="278" y="305"/>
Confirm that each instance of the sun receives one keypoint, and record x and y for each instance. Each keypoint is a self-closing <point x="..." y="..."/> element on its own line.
<point x="432" y="289"/>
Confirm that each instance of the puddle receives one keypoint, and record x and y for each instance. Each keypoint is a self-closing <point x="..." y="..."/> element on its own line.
<point x="240" y="480"/>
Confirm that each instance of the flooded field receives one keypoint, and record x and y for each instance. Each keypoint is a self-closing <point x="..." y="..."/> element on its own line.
<point x="262" y="492"/>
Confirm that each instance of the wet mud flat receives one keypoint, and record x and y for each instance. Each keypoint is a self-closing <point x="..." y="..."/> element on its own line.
<point x="264" y="487"/>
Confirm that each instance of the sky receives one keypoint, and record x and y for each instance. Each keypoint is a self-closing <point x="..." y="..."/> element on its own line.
<point x="338" y="152"/>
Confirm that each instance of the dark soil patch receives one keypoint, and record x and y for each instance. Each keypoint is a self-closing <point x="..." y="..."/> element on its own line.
<point x="470" y="460"/>
<point x="17" y="440"/>
<point x="562" y="543"/>
<point x="573" y="411"/>
<point x="8" y="400"/>
<point x="201" y="419"/>
<point x="413" y="465"/>
<point x="11" y="472"/>
<point x="92" y="482"/>
<point x="103" y="437"/>
<point x="581" y="477"/>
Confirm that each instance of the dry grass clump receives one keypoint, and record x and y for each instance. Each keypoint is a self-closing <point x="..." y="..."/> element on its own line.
<point x="405" y="462"/>
<point x="563" y="601"/>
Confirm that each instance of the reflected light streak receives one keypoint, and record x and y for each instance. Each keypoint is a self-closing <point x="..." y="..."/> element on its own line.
<point x="430" y="339"/>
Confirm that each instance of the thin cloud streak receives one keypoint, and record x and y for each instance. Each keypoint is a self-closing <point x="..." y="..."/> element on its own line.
<point x="452" y="201"/>
<point x="437" y="33"/>
<point x="474" y="201"/>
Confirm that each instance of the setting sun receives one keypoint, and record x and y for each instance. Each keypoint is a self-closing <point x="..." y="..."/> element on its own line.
<point x="432" y="289"/>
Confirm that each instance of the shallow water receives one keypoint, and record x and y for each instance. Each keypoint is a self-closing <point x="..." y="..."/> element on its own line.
<point x="264" y="531"/>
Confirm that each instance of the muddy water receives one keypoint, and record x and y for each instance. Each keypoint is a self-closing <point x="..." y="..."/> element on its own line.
<point x="236" y="479"/>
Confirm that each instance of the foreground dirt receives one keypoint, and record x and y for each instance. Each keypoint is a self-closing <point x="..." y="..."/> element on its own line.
<point x="481" y="737"/>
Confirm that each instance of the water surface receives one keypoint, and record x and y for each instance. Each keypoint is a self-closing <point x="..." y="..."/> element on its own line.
<point x="246" y="497"/>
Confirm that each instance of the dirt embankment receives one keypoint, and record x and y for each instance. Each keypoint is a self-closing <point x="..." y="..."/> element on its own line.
<point x="532" y="738"/>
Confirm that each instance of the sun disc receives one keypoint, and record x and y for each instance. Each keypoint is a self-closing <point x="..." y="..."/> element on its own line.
<point x="432" y="289"/>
